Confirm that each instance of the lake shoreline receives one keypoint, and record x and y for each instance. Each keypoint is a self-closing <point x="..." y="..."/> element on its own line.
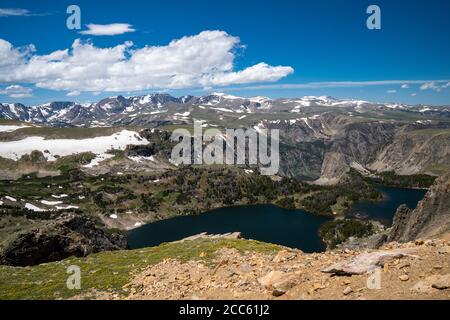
<point x="295" y="228"/>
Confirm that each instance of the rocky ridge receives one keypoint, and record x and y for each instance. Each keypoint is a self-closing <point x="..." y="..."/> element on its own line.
<point x="431" y="217"/>
<point x="70" y="234"/>
<point x="418" y="270"/>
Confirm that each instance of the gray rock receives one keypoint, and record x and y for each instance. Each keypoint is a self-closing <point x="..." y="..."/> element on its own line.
<point x="69" y="235"/>
<point x="230" y="235"/>
<point x="431" y="217"/>
<point x="347" y="291"/>
<point x="366" y="262"/>
<point x="278" y="281"/>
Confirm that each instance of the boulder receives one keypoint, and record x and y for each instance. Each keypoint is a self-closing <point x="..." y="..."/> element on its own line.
<point x="282" y="256"/>
<point x="366" y="262"/>
<point x="278" y="281"/>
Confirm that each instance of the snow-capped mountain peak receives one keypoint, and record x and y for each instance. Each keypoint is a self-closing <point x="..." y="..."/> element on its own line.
<point x="119" y="110"/>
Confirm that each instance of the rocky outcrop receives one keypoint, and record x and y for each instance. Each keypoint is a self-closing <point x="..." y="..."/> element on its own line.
<point x="431" y="217"/>
<point x="355" y="144"/>
<point x="69" y="235"/>
<point x="367" y="262"/>
<point x="333" y="168"/>
<point x="399" y="223"/>
<point x="204" y="235"/>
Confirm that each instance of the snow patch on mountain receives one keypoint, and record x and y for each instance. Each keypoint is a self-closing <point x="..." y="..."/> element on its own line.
<point x="51" y="203"/>
<point x="32" y="207"/>
<point x="99" y="158"/>
<point x="63" y="147"/>
<point x="11" y="128"/>
<point x="222" y="109"/>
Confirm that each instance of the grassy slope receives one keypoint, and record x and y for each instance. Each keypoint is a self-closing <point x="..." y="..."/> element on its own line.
<point x="445" y="132"/>
<point x="110" y="271"/>
<point x="398" y="116"/>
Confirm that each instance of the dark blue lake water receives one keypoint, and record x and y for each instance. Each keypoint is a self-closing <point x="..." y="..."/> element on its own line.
<point x="292" y="228"/>
<point x="384" y="210"/>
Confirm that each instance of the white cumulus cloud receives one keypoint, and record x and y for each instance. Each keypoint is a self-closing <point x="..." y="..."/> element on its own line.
<point x="199" y="61"/>
<point x="17" y="91"/>
<point x="107" y="29"/>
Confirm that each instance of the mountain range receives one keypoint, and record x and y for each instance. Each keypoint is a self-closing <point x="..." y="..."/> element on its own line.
<point x="320" y="137"/>
<point x="138" y="110"/>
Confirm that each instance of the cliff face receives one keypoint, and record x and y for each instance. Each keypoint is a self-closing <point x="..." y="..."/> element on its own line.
<point x="69" y="235"/>
<point x="413" y="152"/>
<point x="430" y="219"/>
<point x="326" y="147"/>
<point x="381" y="148"/>
<point x="356" y="145"/>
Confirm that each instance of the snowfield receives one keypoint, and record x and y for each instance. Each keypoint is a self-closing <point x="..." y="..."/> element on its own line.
<point x="60" y="196"/>
<point x="32" y="207"/>
<point x="51" y="203"/>
<point x="11" y="128"/>
<point x="63" y="147"/>
<point x="222" y="109"/>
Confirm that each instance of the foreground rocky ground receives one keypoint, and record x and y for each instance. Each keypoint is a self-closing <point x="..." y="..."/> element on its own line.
<point x="229" y="268"/>
<point x="419" y="270"/>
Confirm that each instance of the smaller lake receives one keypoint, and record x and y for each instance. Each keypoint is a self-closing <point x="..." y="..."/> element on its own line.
<point x="385" y="209"/>
<point x="269" y="223"/>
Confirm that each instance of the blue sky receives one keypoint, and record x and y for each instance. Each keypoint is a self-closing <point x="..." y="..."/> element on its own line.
<point x="308" y="48"/>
